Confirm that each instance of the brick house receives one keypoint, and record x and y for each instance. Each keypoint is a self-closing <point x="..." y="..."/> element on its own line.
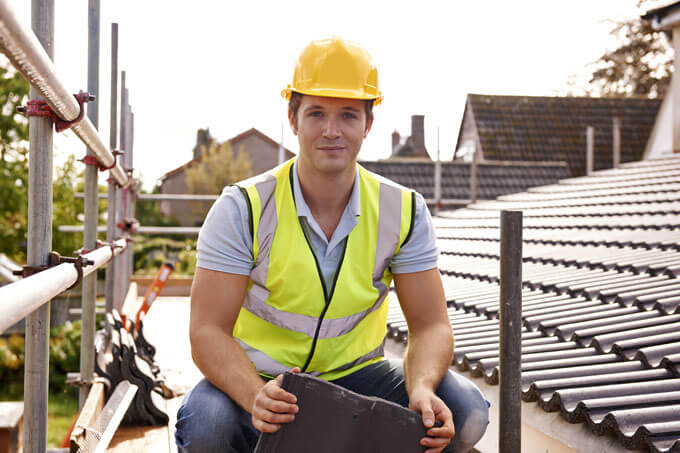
<point x="262" y="151"/>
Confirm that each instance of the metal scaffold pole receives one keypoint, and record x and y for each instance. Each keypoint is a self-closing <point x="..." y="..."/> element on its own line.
<point x="121" y="287"/>
<point x="89" y="291"/>
<point x="133" y="192"/>
<point x="39" y="245"/>
<point x="113" y="188"/>
<point x="510" y="407"/>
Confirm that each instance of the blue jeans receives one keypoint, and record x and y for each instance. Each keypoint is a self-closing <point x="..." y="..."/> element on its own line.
<point x="209" y="421"/>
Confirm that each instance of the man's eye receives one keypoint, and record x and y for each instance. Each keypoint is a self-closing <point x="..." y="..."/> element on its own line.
<point x="350" y="116"/>
<point x="316" y="113"/>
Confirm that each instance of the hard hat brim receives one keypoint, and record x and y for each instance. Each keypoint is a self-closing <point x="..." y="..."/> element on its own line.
<point x="344" y="94"/>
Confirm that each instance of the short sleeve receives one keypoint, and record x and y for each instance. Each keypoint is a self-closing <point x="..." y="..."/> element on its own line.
<point x="420" y="253"/>
<point x="224" y="242"/>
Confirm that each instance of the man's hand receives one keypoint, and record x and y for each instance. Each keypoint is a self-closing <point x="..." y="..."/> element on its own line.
<point x="432" y="408"/>
<point x="273" y="406"/>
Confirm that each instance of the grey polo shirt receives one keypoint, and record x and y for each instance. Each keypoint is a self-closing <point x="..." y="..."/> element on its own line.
<point x="225" y="244"/>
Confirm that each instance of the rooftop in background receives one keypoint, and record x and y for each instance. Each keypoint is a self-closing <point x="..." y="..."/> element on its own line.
<point x="526" y="128"/>
<point x="660" y="13"/>
<point x="493" y="178"/>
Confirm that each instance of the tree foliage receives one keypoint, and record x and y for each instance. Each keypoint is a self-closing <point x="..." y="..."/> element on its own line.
<point x="13" y="162"/>
<point x="14" y="177"/>
<point x="66" y="207"/>
<point x="641" y="64"/>
<point x="218" y="166"/>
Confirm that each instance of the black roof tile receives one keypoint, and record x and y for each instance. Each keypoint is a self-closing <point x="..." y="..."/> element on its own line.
<point x="600" y="293"/>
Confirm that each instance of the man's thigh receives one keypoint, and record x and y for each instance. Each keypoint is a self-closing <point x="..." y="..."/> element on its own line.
<point x="209" y="421"/>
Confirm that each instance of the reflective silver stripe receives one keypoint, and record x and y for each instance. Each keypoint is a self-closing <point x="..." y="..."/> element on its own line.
<point x="263" y="363"/>
<point x="266" y="228"/>
<point x="267" y="365"/>
<point x="255" y="303"/>
<point x="389" y="225"/>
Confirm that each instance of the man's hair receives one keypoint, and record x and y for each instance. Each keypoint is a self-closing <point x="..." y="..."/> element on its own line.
<point x="296" y="99"/>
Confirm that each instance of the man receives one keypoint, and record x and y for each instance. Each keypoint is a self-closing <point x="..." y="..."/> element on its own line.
<point x="293" y="271"/>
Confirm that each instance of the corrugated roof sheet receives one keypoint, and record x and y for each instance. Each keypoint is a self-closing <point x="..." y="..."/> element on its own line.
<point x="601" y="299"/>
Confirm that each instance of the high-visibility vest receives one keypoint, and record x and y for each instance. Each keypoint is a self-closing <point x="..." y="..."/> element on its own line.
<point x="288" y="319"/>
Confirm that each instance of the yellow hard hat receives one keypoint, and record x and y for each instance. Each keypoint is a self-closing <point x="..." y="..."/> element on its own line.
<point x="335" y="68"/>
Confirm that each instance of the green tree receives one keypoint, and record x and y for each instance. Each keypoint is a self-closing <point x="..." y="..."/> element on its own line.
<point x="218" y="166"/>
<point x="640" y="65"/>
<point x="13" y="162"/>
<point x="148" y="212"/>
<point x="66" y="207"/>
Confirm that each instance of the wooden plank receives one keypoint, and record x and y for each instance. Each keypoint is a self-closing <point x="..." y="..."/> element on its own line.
<point x="91" y="410"/>
<point x="112" y="414"/>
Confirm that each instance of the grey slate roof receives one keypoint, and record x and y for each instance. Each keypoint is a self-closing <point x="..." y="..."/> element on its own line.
<point x="493" y="178"/>
<point x="528" y="128"/>
<point x="601" y="299"/>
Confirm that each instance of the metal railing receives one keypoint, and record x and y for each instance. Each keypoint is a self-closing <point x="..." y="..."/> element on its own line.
<point x="24" y="50"/>
<point x="24" y="296"/>
<point x="30" y="52"/>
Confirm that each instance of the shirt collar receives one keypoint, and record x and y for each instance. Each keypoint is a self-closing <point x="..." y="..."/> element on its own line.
<point x="353" y="206"/>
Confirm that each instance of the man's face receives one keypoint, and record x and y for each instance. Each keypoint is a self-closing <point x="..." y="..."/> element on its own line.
<point x="330" y="132"/>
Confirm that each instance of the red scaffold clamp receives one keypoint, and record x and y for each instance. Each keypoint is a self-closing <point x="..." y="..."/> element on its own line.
<point x="91" y="160"/>
<point x="129" y="225"/>
<point x="39" y="107"/>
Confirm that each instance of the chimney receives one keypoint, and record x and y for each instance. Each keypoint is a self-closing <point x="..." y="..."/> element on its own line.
<point x="202" y="138"/>
<point x="396" y="140"/>
<point x="418" y="134"/>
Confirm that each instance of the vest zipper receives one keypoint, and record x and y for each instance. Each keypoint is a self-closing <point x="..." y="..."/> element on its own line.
<point x="326" y="295"/>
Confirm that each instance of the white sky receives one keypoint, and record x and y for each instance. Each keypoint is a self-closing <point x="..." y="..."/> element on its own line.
<point x="222" y="64"/>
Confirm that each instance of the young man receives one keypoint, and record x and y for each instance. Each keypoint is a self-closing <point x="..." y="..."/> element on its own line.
<point x="293" y="271"/>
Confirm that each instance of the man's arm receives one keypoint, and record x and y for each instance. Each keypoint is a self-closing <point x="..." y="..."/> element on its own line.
<point x="216" y="299"/>
<point x="429" y="352"/>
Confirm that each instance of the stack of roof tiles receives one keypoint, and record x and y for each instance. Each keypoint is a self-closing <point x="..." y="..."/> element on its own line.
<point x="600" y="304"/>
<point x="493" y="178"/>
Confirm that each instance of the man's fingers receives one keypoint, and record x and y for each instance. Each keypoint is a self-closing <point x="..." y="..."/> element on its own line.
<point x="434" y="442"/>
<point x="444" y="431"/>
<point x="272" y="417"/>
<point x="428" y="416"/>
<point x="277" y="393"/>
<point x="295" y="370"/>
<point x="265" y="427"/>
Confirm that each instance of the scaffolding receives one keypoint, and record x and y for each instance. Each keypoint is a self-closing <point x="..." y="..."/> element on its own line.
<point x="47" y="274"/>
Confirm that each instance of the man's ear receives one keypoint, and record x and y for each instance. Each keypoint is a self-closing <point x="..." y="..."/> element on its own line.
<point x="369" y="123"/>
<point x="291" y="120"/>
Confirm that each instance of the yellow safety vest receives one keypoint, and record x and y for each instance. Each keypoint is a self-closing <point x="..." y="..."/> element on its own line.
<point x="286" y="319"/>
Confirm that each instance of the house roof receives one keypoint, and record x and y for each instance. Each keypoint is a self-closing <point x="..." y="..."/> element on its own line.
<point x="554" y="128"/>
<point x="600" y="299"/>
<point x="493" y="178"/>
<point x="237" y="138"/>
<point x="660" y="12"/>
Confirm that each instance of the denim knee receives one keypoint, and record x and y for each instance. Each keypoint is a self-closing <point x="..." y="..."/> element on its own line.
<point x="469" y="407"/>
<point x="209" y="421"/>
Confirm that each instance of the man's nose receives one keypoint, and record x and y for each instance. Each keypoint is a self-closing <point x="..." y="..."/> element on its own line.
<point x="331" y="129"/>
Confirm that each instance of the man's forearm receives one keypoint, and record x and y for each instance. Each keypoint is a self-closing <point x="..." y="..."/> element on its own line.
<point x="225" y="364"/>
<point x="428" y="356"/>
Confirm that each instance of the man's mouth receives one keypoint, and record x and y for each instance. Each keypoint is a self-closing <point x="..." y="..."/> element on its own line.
<point x="331" y="148"/>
